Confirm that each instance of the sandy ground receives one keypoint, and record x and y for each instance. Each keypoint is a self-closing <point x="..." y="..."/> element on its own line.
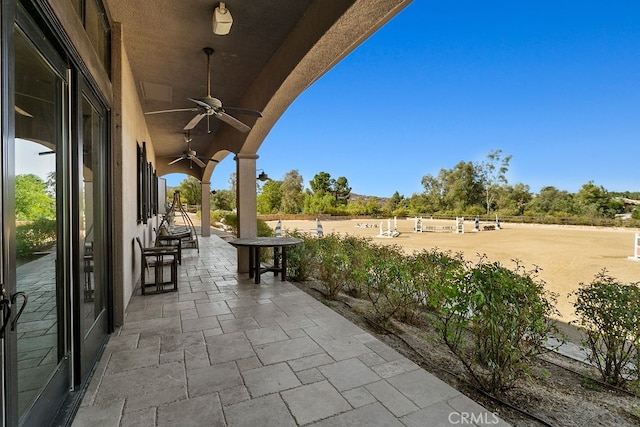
<point x="566" y="255"/>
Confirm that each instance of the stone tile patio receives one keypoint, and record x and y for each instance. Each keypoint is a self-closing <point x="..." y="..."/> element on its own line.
<point x="223" y="351"/>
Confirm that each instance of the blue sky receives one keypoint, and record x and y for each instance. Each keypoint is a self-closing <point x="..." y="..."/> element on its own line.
<point x="555" y="84"/>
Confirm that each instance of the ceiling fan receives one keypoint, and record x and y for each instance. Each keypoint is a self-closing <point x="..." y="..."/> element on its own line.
<point x="191" y="155"/>
<point x="210" y="106"/>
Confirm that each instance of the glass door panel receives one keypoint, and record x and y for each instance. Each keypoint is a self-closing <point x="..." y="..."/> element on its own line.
<point x="40" y="101"/>
<point x="92" y="193"/>
<point x="91" y="292"/>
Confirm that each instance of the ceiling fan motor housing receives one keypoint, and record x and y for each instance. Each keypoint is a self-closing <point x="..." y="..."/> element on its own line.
<point x="212" y="102"/>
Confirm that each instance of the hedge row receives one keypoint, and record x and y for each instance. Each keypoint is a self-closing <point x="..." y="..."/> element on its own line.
<point x="493" y="318"/>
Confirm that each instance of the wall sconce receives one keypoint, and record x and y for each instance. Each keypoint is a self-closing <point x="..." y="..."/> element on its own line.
<point x="262" y="176"/>
<point x="222" y="20"/>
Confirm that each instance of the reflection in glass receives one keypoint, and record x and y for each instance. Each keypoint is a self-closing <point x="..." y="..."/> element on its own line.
<point x="96" y="26"/>
<point x="39" y="100"/>
<point x="90" y="198"/>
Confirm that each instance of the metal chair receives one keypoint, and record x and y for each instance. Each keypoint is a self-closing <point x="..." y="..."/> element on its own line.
<point x="88" y="272"/>
<point x="155" y="260"/>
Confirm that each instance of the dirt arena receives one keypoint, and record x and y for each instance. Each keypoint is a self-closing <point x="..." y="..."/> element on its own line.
<point x="567" y="255"/>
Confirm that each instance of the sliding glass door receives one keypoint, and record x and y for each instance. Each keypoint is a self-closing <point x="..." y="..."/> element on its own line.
<point x="37" y="337"/>
<point x="54" y="252"/>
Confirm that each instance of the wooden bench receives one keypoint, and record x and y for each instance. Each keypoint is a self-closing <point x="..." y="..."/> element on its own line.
<point x="154" y="260"/>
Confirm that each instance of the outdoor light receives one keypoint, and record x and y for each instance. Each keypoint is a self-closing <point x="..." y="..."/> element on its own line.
<point x="263" y="176"/>
<point x="222" y="20"/>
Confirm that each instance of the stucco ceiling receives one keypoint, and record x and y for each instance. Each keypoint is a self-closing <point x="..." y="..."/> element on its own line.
<point x="275" y="49"/>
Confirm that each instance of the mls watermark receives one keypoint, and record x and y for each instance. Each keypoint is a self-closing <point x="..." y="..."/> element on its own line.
<point x="470" y="418"/>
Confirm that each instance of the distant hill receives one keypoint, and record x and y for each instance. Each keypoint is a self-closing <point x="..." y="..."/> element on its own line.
<point x="630" y="201"/>
<point x="353" y="197"/>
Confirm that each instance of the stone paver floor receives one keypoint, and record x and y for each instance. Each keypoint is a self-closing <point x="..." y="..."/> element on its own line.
<point x="223" y="351"/>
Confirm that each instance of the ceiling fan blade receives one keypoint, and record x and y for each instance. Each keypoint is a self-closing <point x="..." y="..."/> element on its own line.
<point x="206" y="159"/>
<point x="22" y="112"/>
<point x="176" y="160"/>
<point x="200" y="103"/>
<point x="243" y="111"/>
<point x="174" y="110"/>
<point x="232" y="121"/>
<point x="194" y="121"/>
<point x="199" y="162"/>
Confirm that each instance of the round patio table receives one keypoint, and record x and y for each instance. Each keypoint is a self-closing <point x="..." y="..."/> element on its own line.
<point x="254" y="244"/>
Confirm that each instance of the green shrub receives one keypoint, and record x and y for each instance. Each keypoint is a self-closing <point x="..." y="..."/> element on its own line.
<point x="475" y="210"/>
<point x="231" y="220"/>
<point x="430" y="270"/>
<point x="387" y="283"/>
<point x="216" y="216"/>
<point x="336" y="211"/>
<point x="301" y="258"/>
<point x="609" y="313"/>
<point x="401" y="213"/>
<point x="228" y="218"/>
<point x="494" y="320"/>
<point x="263" y="229"/>
<point x="35" y="236"/>
<point x="357" y="249"/>
<point x="333" y="264"/>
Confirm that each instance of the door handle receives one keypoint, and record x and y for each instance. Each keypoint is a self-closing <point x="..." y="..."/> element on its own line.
<point x="5" y="306"/>
<point x="14" y="299"/>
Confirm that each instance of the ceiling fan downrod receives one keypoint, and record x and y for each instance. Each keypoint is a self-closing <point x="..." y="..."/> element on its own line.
<point x="209" y="52"/>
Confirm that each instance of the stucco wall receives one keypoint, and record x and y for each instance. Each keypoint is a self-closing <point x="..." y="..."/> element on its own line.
<point x="133" y="131"/>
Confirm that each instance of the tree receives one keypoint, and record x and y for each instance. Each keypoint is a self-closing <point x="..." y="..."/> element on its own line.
<point x="595" y="201"/>
<point x="457" y="189"/>
<point x="394" y="202"/>
<point x="418" y="203"/>
<point x="315" y="203"/>
<point x="461" y="187"/>
<point x="32" y="200"/>
<point x="431" y="200"/>
<point x="292" y="193"/>
<point x="190" y="191"/>
<point x="51" y="184"/>
<point x="492" y="173"/>
<point x="223" y="200"/>
<point x="341" y="190"/>
<point x="513" y="200"/>
<point x="270" y="197"/>
<point x="551" y="201"/>
<point x="233" y="183"/>
<point x="321" y="183"/>
<point x="372" y="206"/>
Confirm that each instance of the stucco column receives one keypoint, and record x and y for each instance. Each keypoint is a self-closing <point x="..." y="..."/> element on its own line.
<point x="205" y="201"/>
<point x="246" y="204"/>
